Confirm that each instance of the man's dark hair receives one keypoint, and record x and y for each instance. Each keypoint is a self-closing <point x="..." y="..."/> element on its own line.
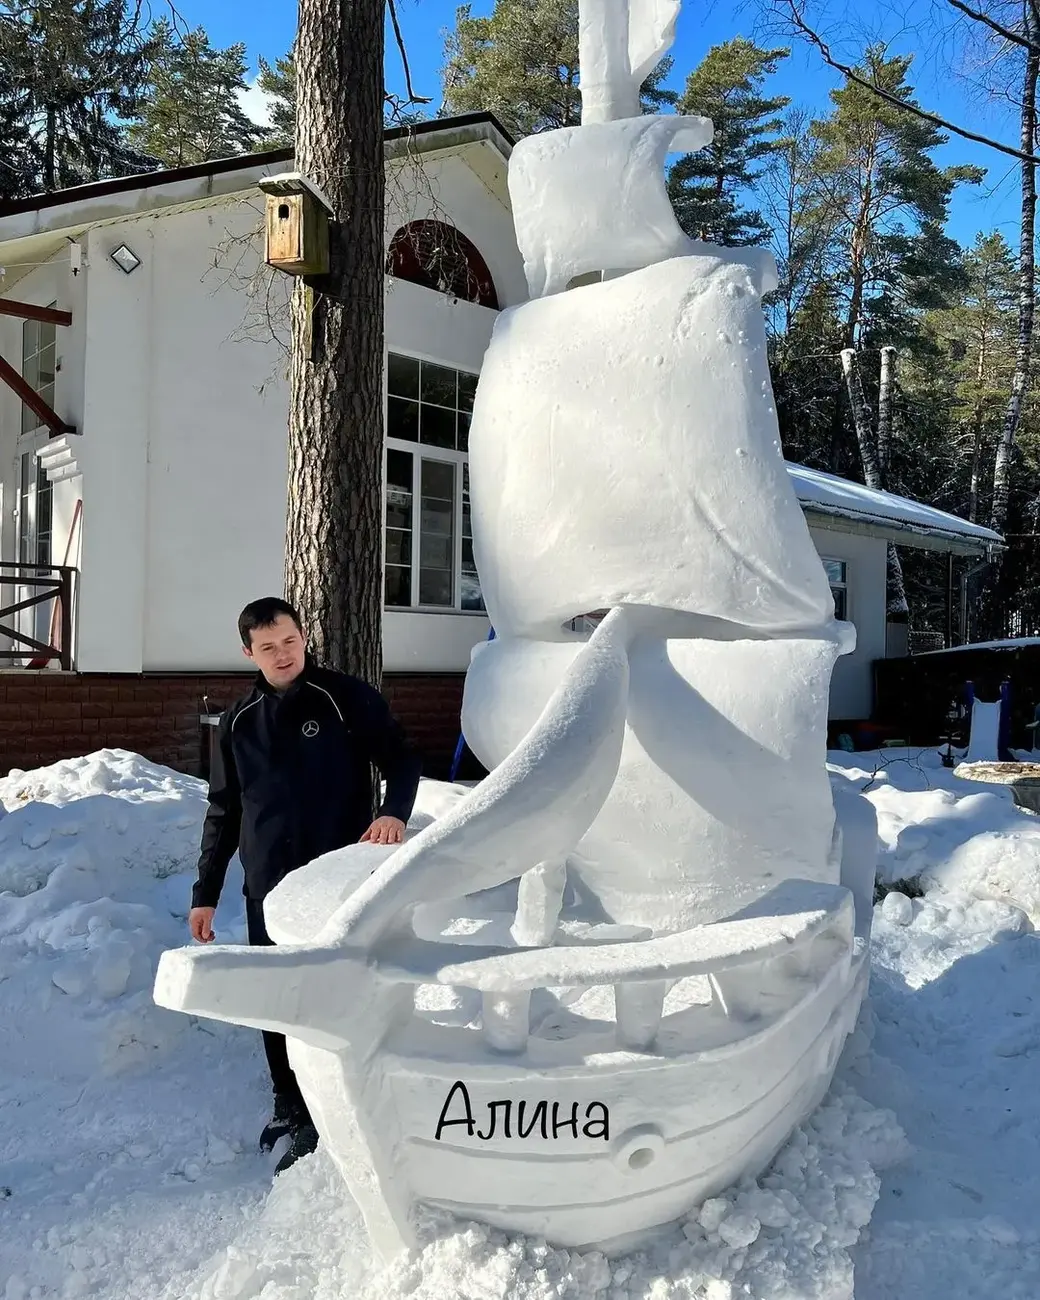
<point x="264" y="613"/>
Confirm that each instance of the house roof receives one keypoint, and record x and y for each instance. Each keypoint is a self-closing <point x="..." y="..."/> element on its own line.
<point x="467" y="124"/>
<point x="33" y="229"/>
<point x="840" y="504"/>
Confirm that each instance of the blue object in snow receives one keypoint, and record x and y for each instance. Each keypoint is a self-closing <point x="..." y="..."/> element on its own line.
<point x="460" y="748"/>
<point x="1004" y="729"/>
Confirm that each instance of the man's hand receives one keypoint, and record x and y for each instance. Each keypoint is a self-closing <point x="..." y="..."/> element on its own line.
<point x="200" y="922"/>
<point x="384" y="830"/>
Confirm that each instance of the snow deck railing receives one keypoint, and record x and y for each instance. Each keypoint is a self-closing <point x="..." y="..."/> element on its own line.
<point x="267" y="987"/>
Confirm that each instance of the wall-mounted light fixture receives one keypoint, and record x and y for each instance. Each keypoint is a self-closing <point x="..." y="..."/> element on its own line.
<point x="125" y="259"/>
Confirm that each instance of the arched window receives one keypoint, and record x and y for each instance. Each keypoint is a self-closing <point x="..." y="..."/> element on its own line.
<point x="439" y="257"/>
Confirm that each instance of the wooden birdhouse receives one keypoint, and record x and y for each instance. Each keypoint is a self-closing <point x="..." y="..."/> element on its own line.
<point x="297" y="225"/>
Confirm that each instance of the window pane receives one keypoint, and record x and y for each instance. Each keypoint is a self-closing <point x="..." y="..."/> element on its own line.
<point x="402" y="419"/>
<point x="835" y="570"/>
<point x="399" y="469"/>
<point x="31" y="371"/>
<point x="397" y="585"/>
<point x="437" y="548"/>
<point x="463" y="431"/>
<point x="841" y="604"/>
<point x="472" y="599"/>
<point x="438" y="480"/>
<point x="45" y="367"/>
<point x="398" y="546"/>
<point x="437" y="427"/>
<point x="30" y="339"/>
<point x="27" y="468"/>
<point x="398" y="489"/>
<point x="438" y="385"/>
<point x="469" y="582"/>
<point x="467" y="391"/>
<point x="437" y="545"/>
<point x="402" y="376"/>
<point x="436" y="520"/>
<point x="435" y="587"/>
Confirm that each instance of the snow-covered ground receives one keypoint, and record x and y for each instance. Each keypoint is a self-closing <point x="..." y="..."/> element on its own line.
<point x="128" y="1168"/>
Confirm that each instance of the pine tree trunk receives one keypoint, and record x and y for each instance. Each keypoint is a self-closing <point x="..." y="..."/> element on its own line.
<point x="976" y="472"/>
<point x="898" y="609"/>
<point x="884" y="422"/>
<point x="868" y="450"/>
<point x="333" y="551"/>
<point x="977" y="430"/>
<point x="1026" y="285"/>
<point x="50" y="150"/>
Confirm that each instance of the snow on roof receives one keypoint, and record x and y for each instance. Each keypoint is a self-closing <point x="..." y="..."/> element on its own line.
<point x="1015" y="643"/>
<point x="827" y="494"/>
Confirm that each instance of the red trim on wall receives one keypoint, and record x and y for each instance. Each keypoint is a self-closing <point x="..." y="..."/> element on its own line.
<point x="49" y="716"/>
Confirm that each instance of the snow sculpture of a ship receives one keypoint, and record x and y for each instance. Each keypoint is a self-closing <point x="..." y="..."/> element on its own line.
<point x="610" y="979"/>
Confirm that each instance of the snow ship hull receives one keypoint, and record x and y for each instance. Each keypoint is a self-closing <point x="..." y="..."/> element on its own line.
<point x="642" y="1074"/>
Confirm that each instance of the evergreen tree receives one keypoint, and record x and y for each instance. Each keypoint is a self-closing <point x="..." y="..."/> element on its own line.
<point x="885" y="204"/>
<point x="521" y="63"/>
<point x="191" y="111"/>
<point x="976" y="339"/>
<point x="807" y="380"/>
<point x="71" y="76"/>
<point x="871" y="215"/>
<point x="279" y="85"/>
<point x="706" y="188"/>
<point x="799" y="239"/>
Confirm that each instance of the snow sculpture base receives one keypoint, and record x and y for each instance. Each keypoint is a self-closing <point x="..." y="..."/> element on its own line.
<point x="642" y="1075"/>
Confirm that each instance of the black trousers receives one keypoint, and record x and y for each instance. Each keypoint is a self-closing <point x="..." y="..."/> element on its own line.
<point x="283" y="1081"/>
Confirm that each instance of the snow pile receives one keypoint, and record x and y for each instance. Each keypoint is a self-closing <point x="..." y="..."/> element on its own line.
<point x="92" y="857"/>
<point x="957" y="1039"/>
<point x="147" y="1184"/>
<point x="963" y="838"/>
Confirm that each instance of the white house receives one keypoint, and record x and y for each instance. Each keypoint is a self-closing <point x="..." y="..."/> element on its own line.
<point x="142" y="445"/>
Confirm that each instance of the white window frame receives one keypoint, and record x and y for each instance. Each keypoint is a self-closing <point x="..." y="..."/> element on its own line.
<point x="34" y="621"/>
<point x="842" y="586"/>
<point x="42" y="328"/>
<point x="420" y="451"/>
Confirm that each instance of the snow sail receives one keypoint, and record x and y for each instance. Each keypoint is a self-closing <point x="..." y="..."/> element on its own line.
<point x="624" y="450"/>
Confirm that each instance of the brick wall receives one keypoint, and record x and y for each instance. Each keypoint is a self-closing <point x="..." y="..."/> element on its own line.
<point x="49" y="716"/>
<point x="429" y="708"/>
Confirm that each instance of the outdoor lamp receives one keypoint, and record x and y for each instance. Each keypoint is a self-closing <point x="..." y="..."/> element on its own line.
<point x="125" y="259"/>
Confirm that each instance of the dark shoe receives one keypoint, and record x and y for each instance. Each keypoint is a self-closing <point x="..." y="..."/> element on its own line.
<point x="304" y="1142"/>
<point x="287" y="1115"/>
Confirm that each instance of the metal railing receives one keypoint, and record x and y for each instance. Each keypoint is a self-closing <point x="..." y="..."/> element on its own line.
<point x="44" y="583"/>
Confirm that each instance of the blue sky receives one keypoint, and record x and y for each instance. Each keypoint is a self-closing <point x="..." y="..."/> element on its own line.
<point x="267" y="28"/>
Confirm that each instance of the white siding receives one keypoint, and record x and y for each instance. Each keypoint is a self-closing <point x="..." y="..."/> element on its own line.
<point x="182" y="404"/>
<point x="50" y="283"/>
<point x="852" y="687"/>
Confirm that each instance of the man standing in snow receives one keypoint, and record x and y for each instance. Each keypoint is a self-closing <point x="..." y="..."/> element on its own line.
<point x="291" y="780"/>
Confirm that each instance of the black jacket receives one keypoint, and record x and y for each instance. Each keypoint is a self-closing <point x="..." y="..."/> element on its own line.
<point x="291" y="778"/>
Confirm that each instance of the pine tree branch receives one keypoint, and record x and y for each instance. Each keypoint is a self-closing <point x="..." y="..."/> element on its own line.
<point x="413" y="98"/>
<point x="852" y="75"/>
